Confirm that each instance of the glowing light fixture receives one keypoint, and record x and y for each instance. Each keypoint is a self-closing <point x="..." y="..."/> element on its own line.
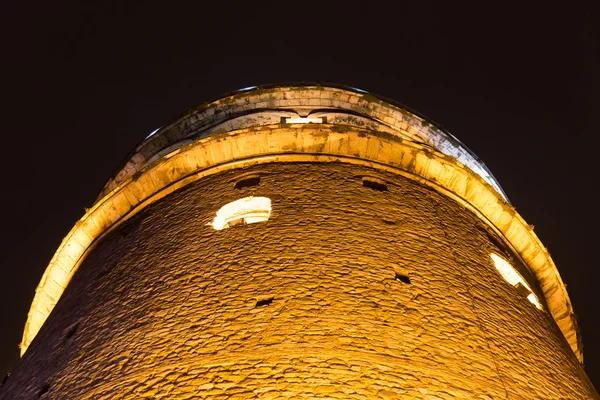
<point x="247" y="88"/>
<point x="248" y="210"/>
<point x="359" y="90"/>
<point x="304" y="120"/>
<point x="152" y="133"/>
<point x="511" y="276"/>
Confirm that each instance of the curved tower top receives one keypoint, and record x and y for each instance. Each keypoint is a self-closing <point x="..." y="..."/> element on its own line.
<point x="274" y="124"/>
<point x="297" y="104"/>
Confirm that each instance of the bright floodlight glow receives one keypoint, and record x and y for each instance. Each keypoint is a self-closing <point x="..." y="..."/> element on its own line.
<point x="248" y="210"/>
<point x="508" y="272"/>
<point x="511" y="276"/>
<point x="247" y="88"/>
<point x="152" y="133"/>
<point x="304" y="120"/>
<point x="534" y="300"/>
<point x="359" y="90"/>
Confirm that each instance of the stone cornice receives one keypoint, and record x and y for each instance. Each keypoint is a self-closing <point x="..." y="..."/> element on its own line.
<point x="303" y="143"/>
<point x="240" y="111"/>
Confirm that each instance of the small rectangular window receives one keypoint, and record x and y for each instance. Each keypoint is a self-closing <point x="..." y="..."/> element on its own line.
<point x="302" y="120"/>
<point x="248" y="182"/>
<point x="264" y="302"/>
<point x="402" y="278"/>
<point x="372" y="184"/>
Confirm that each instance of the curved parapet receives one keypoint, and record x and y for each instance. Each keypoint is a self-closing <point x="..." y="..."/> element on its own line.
<point x="306" y="142"/>
<point x="253" y="107"/>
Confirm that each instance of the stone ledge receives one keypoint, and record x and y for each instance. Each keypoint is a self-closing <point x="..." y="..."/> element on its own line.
<point x="302" y="143"/>
<point x="283" y="98"/>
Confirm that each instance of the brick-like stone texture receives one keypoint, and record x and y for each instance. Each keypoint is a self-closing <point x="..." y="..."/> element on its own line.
<point x="165" y="307"/>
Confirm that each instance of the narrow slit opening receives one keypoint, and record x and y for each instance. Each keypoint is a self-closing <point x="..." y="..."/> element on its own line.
<point x="371" y="184"/>
<point x="248" y="182"/>
<point x="44" y="389"/>
<point x="402" y="278"/>
<point x="5" y="379"/>
<point x="71" y="331"/>
<point x="264" y="302"/>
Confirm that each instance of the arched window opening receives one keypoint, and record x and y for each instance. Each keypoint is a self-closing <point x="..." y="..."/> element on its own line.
<point x="248" y="181"/>
<point x="248" y="210"/>
<point x="511" y="276"/>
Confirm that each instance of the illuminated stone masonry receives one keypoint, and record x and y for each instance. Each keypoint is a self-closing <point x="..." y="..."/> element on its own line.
<point x="293" y="105"/>
<point x="314" y="251"/>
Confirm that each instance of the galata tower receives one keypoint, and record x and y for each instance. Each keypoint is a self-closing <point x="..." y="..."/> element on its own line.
<point x="301" y="241"/>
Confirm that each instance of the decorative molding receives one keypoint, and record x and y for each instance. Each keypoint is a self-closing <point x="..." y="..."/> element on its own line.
<point x="302" y="143"/>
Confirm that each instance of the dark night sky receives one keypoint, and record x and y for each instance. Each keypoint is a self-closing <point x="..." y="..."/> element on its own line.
<point x="83" y="84"/>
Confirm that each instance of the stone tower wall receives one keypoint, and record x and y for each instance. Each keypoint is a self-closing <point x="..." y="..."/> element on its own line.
<point x="166" y="307"/>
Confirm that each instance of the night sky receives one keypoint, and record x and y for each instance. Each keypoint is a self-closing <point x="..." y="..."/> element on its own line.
<point x="83" y="83"/>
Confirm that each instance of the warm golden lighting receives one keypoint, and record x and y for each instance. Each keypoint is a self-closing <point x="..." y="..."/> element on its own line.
<point x="304" y="120"/>
<point x="267" y="144"/>
<point x="511" y="276"/>
<point x="248" y="210"/>
<point x="534" y="300"/>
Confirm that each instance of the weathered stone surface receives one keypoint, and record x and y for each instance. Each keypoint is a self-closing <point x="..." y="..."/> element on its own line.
<point x="165" y="306"/>
<point x="266" y="105"/>
<point x="303" y="143"/>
